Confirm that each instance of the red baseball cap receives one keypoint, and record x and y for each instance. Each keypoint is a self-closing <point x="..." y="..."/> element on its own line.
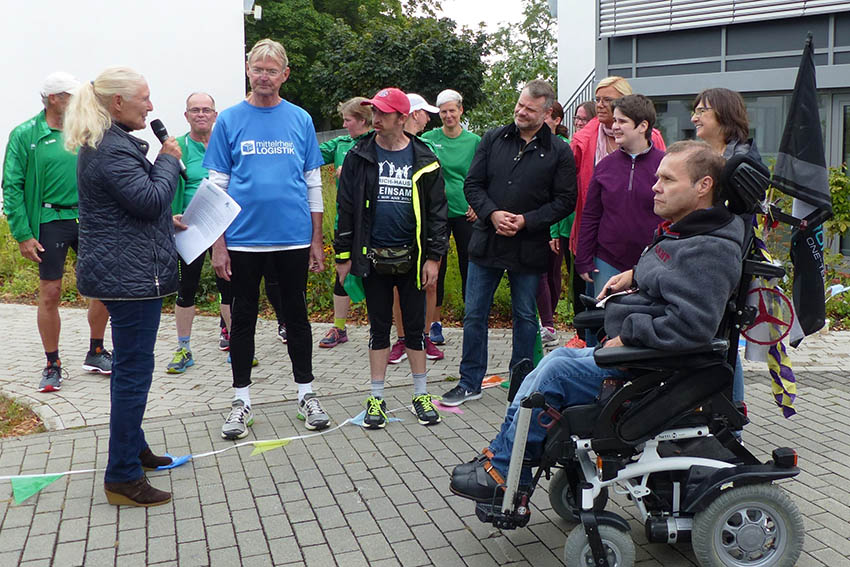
<point x="390" y="100"/>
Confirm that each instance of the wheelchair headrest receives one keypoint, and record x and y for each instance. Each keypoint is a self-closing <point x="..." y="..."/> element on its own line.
<point x="744" y="182"/>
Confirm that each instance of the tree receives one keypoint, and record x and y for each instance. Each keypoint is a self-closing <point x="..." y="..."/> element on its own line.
<point x="343" y="48"/>
<point x="520" y="54"/>
<point x="417" y="54"/>
<point x="301" y="29"/>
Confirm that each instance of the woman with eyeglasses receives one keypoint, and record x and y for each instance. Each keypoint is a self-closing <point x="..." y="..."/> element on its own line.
<point x="590" y="145"/>
<point x="720" y="117"/>
<point x="584" y="113"/>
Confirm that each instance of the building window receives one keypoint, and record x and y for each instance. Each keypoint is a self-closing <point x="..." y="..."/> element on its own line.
<point x="766" y="114"/>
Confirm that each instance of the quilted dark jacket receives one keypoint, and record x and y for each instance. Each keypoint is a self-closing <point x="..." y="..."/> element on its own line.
<point x="126" y="233"/>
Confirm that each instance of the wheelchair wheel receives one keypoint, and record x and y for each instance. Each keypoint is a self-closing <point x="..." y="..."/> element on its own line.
<point x="749" y="526"/>
<point x="619" y="547"/>
<point x="563" y="499"/>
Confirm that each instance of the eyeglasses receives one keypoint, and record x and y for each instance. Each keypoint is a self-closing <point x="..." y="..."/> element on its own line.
<point x="580" y="119"/>
<point x="196" y="110"/>
<point x="700" y="110"/>
<point x="604" y="100"/>
<point x="259" y="71"/>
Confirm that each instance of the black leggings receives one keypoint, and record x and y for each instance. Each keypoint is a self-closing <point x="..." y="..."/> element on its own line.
<point x="290" y="268"/>
<point x="379" y="305"/>
<point x="273" y="289"/>
<point x="462" y="230"/>
<point x="188" y="278"/>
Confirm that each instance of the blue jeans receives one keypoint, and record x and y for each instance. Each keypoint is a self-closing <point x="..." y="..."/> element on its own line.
<point x="738" y="382"/>
<point x="481" y="284"/>
<point x="565" y="377"/>
<point x="600" y="278"/>
<point x="134" y="328"/>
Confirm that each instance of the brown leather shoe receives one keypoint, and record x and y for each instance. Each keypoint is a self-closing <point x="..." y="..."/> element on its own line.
<point x="151" y="462"/>
<point x="135" y="493"/>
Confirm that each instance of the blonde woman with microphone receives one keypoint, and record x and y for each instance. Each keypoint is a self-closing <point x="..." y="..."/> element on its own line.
<point x="126" y="257"/>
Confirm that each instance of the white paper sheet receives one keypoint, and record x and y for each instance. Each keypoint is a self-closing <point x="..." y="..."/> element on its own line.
<point x="208" y="215"/>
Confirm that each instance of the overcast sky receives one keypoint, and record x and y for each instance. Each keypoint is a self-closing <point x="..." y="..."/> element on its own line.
<point x="491" y="12"/>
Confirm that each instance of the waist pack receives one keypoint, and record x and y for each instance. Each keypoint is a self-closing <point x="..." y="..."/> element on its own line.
<point x="392" y="261"/>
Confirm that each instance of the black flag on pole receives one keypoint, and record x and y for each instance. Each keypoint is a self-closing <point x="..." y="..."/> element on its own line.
<point x="801" y="172"/>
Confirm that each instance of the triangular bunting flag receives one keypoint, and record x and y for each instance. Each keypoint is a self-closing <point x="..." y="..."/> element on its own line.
<point x="263" y="446"/>
<point x="25" y="486"/>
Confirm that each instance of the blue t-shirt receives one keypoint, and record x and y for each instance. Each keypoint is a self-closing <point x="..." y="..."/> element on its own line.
<point x="395" y="221"/>
<point x="266" y="151"/>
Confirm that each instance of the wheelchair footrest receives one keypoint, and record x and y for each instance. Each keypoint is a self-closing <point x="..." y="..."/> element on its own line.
<point x="492" y="514"/>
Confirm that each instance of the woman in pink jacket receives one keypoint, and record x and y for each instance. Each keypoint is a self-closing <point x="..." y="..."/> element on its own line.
<point x="590" y="145"/>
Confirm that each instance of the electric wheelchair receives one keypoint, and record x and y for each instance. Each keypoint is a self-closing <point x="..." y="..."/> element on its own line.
<point x="665" y="438"/>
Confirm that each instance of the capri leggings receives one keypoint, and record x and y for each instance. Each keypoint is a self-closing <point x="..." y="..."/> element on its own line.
<point x="189" y="276"/>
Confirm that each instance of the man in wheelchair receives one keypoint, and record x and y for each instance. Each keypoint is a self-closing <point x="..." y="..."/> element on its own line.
<point x="649" y="413"/>
<point x="674" y="299"/>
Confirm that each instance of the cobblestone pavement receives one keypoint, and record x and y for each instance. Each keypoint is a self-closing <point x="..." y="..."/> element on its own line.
<point x="350" y="497"/>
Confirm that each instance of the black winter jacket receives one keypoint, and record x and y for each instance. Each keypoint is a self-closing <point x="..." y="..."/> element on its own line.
<point x="126" y="233"/>
<point x="358" y="189"/>
<point x="537" y="180"/>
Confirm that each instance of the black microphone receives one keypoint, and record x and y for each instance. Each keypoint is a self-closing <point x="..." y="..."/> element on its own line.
<point x="162" y="134"/>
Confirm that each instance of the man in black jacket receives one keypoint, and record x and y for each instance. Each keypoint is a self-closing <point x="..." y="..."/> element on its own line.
<point x="392" y="233"/>
<point x="522" y="180"/>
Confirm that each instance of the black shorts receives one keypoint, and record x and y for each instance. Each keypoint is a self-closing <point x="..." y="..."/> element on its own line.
<point x="55" y="237"/>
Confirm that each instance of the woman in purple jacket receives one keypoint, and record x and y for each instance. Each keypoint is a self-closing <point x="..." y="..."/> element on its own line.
<point x="618" y="221"/>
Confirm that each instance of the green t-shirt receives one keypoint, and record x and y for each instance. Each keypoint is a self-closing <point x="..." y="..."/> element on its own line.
<point x="57" y="173"/>
<point x="195" y="170"/>
<point x="455" y="155"/>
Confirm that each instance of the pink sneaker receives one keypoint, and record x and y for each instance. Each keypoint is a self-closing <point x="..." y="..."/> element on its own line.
<point x="431" y="351"/>
<point x="397" y="353"/>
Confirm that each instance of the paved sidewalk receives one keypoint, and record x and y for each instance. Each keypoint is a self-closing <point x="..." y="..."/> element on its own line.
<point x="349" y="497"/>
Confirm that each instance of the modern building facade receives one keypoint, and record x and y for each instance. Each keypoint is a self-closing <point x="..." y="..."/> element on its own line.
<point x="672" y="49"/>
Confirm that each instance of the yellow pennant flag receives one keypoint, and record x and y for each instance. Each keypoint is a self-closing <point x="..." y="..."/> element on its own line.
<point x="263" y="446"/>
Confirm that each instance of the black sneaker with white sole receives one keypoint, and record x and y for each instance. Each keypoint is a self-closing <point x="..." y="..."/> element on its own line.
<point x="458" y="395"/>
<point x="100" y="361"/>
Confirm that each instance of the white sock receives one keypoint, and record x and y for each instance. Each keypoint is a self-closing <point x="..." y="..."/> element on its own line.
<point x="377" y="389"/>
<point x="304" y="389"/>
<point x="420" y="383"/>
<point x="242" y="394"/>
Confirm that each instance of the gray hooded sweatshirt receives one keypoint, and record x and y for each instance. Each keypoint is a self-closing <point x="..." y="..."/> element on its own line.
<point x="684" y="280"/>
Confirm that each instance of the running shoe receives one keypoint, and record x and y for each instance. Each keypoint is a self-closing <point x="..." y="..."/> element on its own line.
<point x="398" y="353"/>
<point x="431" y="351"/>
<point x="51" y="378"/>
<point x="436" y="333"/>
<point x="376" y="413"/>
<point x="99" y="361"/>
<point x="181" y="361"/>
<point x="334" y="337"/>
<point x="548" y="336"/>
<point x="459" y="395"/>
<point x="426" y="412"/>
<point x="238" y="421"/>
<point x="311" y="413"/>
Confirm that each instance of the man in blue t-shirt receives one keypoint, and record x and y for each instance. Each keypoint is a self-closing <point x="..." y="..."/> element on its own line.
<point x="264" y="152"/>
<point x="392" y="233"/>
